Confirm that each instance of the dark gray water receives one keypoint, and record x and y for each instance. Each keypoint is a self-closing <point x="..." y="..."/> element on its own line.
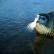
<point x="14" y="17"/>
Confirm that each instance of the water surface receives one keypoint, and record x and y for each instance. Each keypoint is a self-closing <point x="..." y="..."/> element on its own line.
<point x="14" y="17"/>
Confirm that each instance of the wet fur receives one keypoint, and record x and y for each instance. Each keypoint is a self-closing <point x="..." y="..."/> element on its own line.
<point x="44" y="40"/>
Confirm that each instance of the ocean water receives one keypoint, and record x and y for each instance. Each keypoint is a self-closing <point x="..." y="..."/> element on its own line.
<point x="15" y="15"/>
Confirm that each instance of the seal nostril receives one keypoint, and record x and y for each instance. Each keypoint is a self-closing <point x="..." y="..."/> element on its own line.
<point x="37" y="21"/>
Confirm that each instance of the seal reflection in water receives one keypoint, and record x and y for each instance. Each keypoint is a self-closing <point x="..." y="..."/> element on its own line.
<point x="44" y="39"/>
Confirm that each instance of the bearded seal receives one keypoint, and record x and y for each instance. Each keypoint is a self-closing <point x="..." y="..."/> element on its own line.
<point x="44" y="33"/>
<point x="44" y="27"/>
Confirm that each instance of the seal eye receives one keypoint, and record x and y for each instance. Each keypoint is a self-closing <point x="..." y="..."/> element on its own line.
<point x="43" y="20"/>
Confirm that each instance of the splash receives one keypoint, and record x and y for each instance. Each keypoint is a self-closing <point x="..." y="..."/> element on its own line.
<point x="32" y="25"/>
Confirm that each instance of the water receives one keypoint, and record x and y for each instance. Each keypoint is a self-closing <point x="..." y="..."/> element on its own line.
<point x="14" y="17"/>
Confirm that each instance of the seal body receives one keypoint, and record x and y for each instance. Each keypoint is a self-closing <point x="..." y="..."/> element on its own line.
<point x="44" y="39"/>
